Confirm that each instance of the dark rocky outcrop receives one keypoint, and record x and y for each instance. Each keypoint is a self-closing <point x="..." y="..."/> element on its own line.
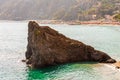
<point x="48" y="47"/>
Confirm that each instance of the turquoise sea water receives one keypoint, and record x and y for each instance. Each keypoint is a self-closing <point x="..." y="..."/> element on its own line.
<point x="13" y="42"/>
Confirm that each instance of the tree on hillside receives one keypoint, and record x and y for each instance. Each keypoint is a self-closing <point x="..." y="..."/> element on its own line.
<point x="117" y="17"/>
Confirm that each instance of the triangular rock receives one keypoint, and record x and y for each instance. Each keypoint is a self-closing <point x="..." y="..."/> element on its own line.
<point x="48" y="47"/>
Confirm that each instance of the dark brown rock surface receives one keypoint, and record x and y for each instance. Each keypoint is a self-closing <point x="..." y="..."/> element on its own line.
<point x="47" y="47"/>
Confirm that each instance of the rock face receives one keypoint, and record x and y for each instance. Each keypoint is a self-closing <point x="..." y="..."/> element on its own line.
<point x="47" y="47"/>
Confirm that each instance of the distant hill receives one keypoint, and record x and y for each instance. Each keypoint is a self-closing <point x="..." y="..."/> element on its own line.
<point x="57" y="9"/>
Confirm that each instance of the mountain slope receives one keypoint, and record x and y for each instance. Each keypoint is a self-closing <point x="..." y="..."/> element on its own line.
<point x="56" y="9"/>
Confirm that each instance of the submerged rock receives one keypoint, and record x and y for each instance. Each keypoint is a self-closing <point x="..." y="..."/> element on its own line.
<point x="47" y="47"/>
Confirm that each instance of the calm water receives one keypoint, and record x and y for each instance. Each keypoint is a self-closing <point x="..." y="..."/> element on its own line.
<point x="13" y="41"/>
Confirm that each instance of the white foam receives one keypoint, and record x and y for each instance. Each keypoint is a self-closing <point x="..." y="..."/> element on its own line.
<point x="113" y="67"/>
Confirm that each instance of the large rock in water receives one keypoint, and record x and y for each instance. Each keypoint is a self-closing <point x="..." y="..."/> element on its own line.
<point x="47" y="47"/>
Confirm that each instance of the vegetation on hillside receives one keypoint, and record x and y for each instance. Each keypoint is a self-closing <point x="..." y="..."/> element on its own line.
<point x="68" y="10"/>
<point x="117" y="17"/>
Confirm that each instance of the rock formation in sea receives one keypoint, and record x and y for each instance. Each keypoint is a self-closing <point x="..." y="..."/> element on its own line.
<point x="48" y="47"/>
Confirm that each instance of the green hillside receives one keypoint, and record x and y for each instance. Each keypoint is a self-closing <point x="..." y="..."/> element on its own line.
<point x="58" y="9"/>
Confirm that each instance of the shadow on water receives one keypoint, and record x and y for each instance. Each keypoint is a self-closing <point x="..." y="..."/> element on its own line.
<point x="51" y="73"/>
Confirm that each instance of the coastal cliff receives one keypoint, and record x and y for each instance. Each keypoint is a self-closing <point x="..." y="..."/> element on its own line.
<point x="47" y="47"/>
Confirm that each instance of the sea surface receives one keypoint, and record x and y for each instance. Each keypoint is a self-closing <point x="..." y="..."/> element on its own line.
<point x="13" y="42"/>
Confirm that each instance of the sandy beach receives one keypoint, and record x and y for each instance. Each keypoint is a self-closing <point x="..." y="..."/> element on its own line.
<point x="79" y="22"/>
<point x="117" y="65"/>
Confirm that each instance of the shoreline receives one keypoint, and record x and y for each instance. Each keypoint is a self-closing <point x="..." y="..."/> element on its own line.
<point x="68" y="22"/>
<point x="114" y="66"/>
<point x="79" y="22"/>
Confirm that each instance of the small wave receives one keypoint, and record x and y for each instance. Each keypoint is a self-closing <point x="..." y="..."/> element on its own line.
<point x="113" y="67"/>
